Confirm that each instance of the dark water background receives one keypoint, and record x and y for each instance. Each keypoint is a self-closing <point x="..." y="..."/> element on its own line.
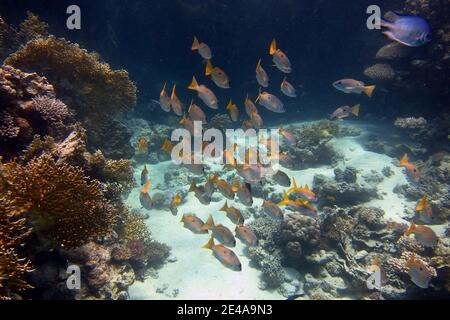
<point x="325" y="40"/>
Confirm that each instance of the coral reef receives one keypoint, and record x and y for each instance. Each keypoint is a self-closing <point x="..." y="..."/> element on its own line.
<point x="90" y="87"/>
<point x="267" y="255"/>
<point x="61" y="203"/>
<point x="411" y="123"/>
<point x="343" y="190"/>
<point x="313" y="145"/>
<point x="11" y="38"/>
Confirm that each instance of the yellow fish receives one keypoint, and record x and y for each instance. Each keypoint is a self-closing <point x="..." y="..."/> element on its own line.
<point x="144" y="197"/>
<point x="177" y="107"/>
<point x="249" y="106"/>
<point x="164" y="101"/>
<point x="305" y="192"/>
<point x="205" y="94"/>
<point x="226" y="256"/>
<point x="424" y="208"/>
<point x="233" y="214"/>
<point x="218" y="76"/>
<point x="280" y="58"/>
<point x="234" y="111"/>
<point x="423" y="234"/>
<point x="419" y="273"/>
<point x="202" y="48"/>
<point x="261" y="75"/>
<point x="175" y="203"/>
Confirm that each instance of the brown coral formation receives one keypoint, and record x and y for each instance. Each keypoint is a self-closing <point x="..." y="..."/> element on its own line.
<point x="11" y="38"/>
<point x="62" y="204"/>
<point x="78" y="75"/>
<point x="13" y="232"/>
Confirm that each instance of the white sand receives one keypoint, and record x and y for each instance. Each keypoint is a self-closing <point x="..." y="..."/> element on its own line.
<point x="198" y="275"/>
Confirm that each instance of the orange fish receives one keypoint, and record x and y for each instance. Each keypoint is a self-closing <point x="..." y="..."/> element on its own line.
<point x="249" y="106"/>
<point x="423" y="234"/>
<point x="261" y="75"/>
<point x="167" y="146"/>
<point x="305" y="192"/>
<point x="247" y="124"/>
<point x="234" y="111"/>
<point x="193" y="223"/>
<point x="256" y="120"/>
<point x="246" y="235"/>
<point x="177" y="107"/>
<point x="144" y="175"/>
<point x="220" y="232"/>
<point x="411" y="169"/>
<point x="205" y="94"/>
<point x="142" y="146"/>
<point x="175" y="203"/>
<point x="226" y="256"/>
<point x="418" y="272"/>
<point x="144" y="197"/>
<point x="202" y="48"/>
<point x="196" y="113"/>
<point x="164" y="100"/>
<point x="218" y="76"/>
<point x="377" y="265"/>
<point x="424" y="208"/>
<point x="233" y="214"/>
<point x="280" y="58"/>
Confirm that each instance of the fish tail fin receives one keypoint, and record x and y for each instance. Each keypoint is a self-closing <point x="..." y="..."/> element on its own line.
<point x="195" y="44"/>
<point x="225" y="207"/>
<point x="390" y="35"/>
<point x="404" y="160"/>
<point x="285" y="200"/>
<point x="355" y="110"/>
<point x="273" y="47"/>
<point x="192" y="187"/>
<point x="173" y="91"/>
<point x="194" y="84"/>
<point x="210" y="244"/>
<point x="209" y="68"/>
<point x="411" y="229"/>
<point x="368" y="90"/>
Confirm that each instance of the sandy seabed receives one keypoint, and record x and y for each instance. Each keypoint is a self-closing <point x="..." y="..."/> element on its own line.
<point x="197" y="275"/>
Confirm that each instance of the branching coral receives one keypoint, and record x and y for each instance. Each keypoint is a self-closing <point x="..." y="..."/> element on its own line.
<point x="13" y="233"/>
<point x="92" y="86"/>
<point x="62" y="204"/>
<point x="51" y="110"/>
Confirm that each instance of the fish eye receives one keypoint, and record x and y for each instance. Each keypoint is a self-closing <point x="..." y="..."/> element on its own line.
<point x="421" y="269"/>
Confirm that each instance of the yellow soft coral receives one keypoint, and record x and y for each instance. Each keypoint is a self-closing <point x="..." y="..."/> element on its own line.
<point x="63" y="205"/>
<point x="94" y="88"/>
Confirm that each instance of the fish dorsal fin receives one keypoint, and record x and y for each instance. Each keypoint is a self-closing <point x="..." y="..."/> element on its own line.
<point x="163" y="92"/>
<point x="194" y="84"/>
<point x="192" y="187"/>
<point x="225" y="207"/>
<point x="375" y="264"/>
<point x="307" y="187"/>
<point x="190" y="106"/>
<point x="195" y="44"/>
<point x="421" y="204"/>
<point x="273" y="47"/>
<point x="173" y="95"/>
<point x="259" y="95"/>
<point x="146" y="187"/>
<point x="411" y="229"/>
<point x="405" y="159"/>
<point x="209" y="223"/>
<point x="411" y="261"/>
<point x="229" y="105"/>
<point x="258" y="66"/>
<point x="209" y="68"/>
<point x="285" y="200"/>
